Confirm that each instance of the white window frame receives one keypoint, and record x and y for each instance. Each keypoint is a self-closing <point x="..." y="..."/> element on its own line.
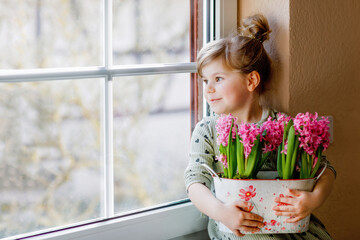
<point x="164" y="222"/>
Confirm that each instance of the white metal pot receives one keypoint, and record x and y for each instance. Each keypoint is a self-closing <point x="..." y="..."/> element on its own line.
<point x="261" y="193"/>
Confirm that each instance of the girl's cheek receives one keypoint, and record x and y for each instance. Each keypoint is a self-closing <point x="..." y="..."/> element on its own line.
<point x="206" y="97"/>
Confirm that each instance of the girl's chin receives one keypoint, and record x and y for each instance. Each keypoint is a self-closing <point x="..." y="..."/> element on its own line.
<point x="218" y="109"/>
<point x="218" y="112"/>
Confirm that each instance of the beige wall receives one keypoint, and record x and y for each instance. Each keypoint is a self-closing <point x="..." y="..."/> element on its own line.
<point x="322" y="64"/>
<point x="277" y="46"/>
<point x="324" y="77"/>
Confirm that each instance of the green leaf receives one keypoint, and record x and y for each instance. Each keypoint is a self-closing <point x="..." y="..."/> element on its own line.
<point x="278" y="161"/>
<point x="261" y="159"/>
<point x="283" y="172"/>
<point x="226" y="175"/>
<point x="252" y="159"/>
<point x="289" y="155"/>
<point x="304" y="164"/>
<point x="317" y="165"/>
<point x="233" y="161"/>
<point x="240" y="156"/>
<point x="231" y="153"/>
<point x="222" y="149"/>
<point x="260" y="162"/>
<point x="283" y="161"/>
<point x="294" y="156"/>
<point x="310" y="164"/>
<point x="287" y="128"/>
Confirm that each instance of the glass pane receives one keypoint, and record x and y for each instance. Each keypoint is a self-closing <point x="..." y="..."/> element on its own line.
<point x="151" y="139"/>
<point x="51" y="154"/>
<point x="155" y="31"/>
<point x="55" y="33"/>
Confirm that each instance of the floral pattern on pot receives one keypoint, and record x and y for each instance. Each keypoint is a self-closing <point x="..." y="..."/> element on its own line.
<point x="247" y="193"/>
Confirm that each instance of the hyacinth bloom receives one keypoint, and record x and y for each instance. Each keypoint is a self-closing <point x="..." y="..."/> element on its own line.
<point x="226" y="135"/>
<point x="305" y="136"/>
<point x="248" y="133"/>
<point x="223" y="125"/>
<point x="250" y="144"/>
<point x="240" y="147"/>
<point x="223" y="160"/>
<point x="314" y="139"/>
<point x="313" y="133"/>
<point x="273" y="132"/>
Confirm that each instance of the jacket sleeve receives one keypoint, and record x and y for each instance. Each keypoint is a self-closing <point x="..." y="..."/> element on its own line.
<point x="201" y="151"/>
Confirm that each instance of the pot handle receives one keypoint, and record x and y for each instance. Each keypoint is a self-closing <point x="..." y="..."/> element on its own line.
<point x="321" y="173"/>
<point x="211" y="171"/>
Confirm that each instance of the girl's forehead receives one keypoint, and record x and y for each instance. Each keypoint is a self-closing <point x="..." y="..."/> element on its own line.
<point x="216" y="66"/>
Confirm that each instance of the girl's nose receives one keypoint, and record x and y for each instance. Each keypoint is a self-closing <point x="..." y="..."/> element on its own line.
<point x="210" y="88"/>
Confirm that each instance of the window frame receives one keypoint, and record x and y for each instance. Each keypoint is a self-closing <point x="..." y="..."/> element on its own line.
<point x="151" y="221"/>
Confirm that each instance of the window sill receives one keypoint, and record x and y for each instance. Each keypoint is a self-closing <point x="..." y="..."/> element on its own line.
<point x="165" y="223"/>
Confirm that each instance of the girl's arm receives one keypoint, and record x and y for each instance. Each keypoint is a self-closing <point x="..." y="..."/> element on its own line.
<point x="303" y="203"/>
<point x="232" y="215"/>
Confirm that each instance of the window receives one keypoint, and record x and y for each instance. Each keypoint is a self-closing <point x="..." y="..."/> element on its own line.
<point x="151" y="134"/>
<point x="93" y="139"/>
<point x="51" y="154"/>
<point x="98" y="99"/>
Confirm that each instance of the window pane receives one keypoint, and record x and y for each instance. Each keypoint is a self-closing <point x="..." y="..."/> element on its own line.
<point x="56" y="33"/>
<point x="155" y="31"/>
<point x="51" y="154"/>
<point x="151" y="139"/>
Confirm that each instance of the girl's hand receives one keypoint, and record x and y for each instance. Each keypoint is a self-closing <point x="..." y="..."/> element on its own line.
<point x="297" y="206"/>
<point x="236" y="217"/>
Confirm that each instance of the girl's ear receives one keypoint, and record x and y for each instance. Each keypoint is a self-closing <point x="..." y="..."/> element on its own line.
<point x="253" y="80"/>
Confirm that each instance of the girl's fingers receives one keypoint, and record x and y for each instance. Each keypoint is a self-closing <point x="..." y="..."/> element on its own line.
<point x="254" y="224"/>
<point x="242" y="204"/>
<point x="289" y="214"/>
<point x="285" y="200"/>
<point x="293" y="219"/>
<point x="248" y="215"/>
<point x="252" y="216"/>
<point x="245" y="229"/>
<point x="238" y="233"/>
<point x="287" y="208"/>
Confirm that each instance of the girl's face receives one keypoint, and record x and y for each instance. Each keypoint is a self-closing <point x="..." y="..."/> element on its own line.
<point x="225" y="90"/>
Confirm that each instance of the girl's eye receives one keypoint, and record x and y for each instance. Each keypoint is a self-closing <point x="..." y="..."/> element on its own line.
<point x="205" y="81"/>
<point x="218" y="79"/>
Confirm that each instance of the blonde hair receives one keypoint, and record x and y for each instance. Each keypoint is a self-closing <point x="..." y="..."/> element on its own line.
<point x="243" y="52"/>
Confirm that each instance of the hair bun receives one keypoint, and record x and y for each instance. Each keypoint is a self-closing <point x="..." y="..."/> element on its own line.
<point x="255" y="27"/>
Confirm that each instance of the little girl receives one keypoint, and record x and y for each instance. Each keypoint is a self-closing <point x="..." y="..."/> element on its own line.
<point x="234" y="71"/>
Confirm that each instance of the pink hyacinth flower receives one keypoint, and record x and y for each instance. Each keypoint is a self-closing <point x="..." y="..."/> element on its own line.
<point x="222" y="158"/>
<point x="312" y="132"/>
<point x="248" y="133"/>
<point x="274" y="133"/>
<point x="285" y="147"/>
<point x="223" y="125"/>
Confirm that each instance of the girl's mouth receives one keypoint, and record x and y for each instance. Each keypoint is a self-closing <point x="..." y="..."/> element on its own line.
<point x="215" y="99"/>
